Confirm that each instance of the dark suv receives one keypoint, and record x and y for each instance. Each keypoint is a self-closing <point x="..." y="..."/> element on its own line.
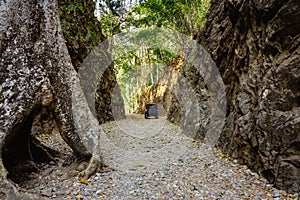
<point x="151" y="110"/>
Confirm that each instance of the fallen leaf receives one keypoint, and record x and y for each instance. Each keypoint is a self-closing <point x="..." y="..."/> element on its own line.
<point x="84" y="181"/>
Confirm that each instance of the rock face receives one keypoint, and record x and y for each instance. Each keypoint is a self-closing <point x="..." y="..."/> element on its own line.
<point x="161" y="92"/>
<point x="255" y="45"/>
<point x="82" y="33"/>
<point x="188" y="107"/>
<point x="109" y="102"/>
<point x="36" y="73"/>
<point x="81" y="29"/>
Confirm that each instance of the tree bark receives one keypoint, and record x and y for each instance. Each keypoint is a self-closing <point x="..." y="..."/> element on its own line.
<point x="36" y="72"/>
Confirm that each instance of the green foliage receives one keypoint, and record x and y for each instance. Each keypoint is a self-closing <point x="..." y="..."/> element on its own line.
<point x="186" y="16"/>
<point x="112" y="14"/>
<point x="139" y="69"/>
<point x="109" y="25"/>
<point x="72" y="9"/>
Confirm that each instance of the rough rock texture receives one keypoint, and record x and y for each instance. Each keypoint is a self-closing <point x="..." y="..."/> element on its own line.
<point x="36" y="73"/>
<point x="82" y="33"/>
<point x="182" y="92"/>
<point x="161" y="92"/>
<point x="193" y="114"/>
<point x="109" y="101"/>
<point x="255" y="44"/>
<point x="81" y="29"/>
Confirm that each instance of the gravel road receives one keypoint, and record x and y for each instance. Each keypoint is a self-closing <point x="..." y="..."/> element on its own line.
<point x="152" y="159"/>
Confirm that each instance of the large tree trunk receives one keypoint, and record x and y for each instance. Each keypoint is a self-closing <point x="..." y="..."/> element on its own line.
<point x="256" y="46"/>
<point x="36" y="72"/>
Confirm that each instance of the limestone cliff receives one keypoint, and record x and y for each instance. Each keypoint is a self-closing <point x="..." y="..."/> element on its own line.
<point x="183" y="95"/>
<point x="82" y="32"/>
<point x="255" y="45"/>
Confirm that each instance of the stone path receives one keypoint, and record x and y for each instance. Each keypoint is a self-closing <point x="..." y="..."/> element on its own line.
<point x="153" y="160"/>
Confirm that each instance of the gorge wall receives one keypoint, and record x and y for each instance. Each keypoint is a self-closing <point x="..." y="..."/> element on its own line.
<point x="255" y="45"/>
<point x="82" y="32"/>
<point x="175" y="98"/>
<point x="161" y="91"/>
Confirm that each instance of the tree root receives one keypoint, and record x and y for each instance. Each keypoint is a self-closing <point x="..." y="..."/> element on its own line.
<point x="96" y="164"/>
<point x="41" y="153"/>
<point x="93" y="166"/>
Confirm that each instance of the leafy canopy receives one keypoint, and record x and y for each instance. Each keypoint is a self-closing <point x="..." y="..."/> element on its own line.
<point x="136" y="69"/>
<point x="185" y="16"/>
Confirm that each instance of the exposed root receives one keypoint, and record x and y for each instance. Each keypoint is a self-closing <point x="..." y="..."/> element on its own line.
<point x="41" y="153"/>
<point x="93" y="166"/>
